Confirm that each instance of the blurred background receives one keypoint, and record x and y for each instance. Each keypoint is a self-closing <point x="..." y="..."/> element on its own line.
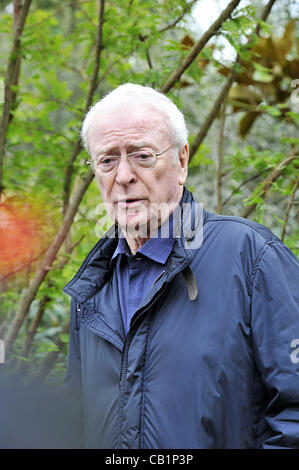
<point x="233" y="69"/>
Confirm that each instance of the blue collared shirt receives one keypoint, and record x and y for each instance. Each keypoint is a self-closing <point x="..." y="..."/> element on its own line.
<point x="137" y="273"/>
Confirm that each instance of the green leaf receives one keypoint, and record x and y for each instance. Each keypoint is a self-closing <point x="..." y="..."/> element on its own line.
<point x="47" y="347"/>
<point x="18" y="356"/>
<point x="64" y="337"/>
<point x="272" y="110"/>
<point x="201" y="157"/>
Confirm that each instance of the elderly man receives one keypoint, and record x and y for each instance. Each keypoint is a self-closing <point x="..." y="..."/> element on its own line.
<point x="186" y="340"/>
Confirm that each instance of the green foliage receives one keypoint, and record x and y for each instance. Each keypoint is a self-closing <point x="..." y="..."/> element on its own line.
<point x="237" y="29"/>
<point x="201" y="157"/>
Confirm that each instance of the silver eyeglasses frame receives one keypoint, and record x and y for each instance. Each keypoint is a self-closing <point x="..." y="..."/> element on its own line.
<point x="92" y="163"/>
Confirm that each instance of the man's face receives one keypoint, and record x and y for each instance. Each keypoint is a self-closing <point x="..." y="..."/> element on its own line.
<point x="132" y="194"/>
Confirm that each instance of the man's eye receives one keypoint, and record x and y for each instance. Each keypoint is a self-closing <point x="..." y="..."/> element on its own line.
<point x="143" y="156"/>
<point x="106" y="161"/>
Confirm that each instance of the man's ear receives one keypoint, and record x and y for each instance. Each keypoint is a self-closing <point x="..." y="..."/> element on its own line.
<point x="183" y="164"/>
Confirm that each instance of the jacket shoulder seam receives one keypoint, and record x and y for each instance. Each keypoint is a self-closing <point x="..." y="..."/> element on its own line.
<point x="257" y="262"/>
<point x="247" y="225"/>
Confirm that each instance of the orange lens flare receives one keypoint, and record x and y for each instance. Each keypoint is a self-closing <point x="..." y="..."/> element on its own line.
<point x="24" y="235"/>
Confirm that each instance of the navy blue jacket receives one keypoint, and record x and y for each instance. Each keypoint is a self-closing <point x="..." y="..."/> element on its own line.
<point x="211" y="359"/>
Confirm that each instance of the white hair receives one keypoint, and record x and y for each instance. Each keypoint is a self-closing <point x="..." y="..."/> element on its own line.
<point x="133" y="93"/>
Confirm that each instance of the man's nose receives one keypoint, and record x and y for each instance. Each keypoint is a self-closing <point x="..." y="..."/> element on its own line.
<point x="125" y="173"/>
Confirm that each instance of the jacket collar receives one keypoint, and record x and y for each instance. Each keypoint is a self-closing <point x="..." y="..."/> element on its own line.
<point x="96" y="270"/>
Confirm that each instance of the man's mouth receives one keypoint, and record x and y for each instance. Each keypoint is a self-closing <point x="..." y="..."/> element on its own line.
<point x="129" y="202"/>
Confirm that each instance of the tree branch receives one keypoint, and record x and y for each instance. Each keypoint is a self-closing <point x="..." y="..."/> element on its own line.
<point x="265" y="14"/>
<point x="66" y="105"/>
<point x="271" y="179"/>
<point x="51" y="357"/>
<point x="50" y="256"/>
<point x="21" y="366"/>
<point x="212" y="115"/>
<point x="251" y="178"/>
<point x="173" y="23"/>
<point x="32" y="330"/>
<point x="289" y="206"/>
<point x="12" y="77"/>
<point x="178" y="19"/>
<point x="17" y="7"/>
<point x="223" y="93"/>
<point x="91" y="91"/>
<point x="21" y="268"/>
<point x="220" y="159"/>
<point x="43" y="129"/>
<point x="65" y="5"/>
<point x="148" y="58"/>
<point x="196" y="49"/>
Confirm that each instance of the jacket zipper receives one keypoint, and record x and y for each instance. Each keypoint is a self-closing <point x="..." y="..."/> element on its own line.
<point x="147" y="348"/>
<point x="124" y="364"/>
<point x="122" y="385"/>
<point x="124" y="369"/>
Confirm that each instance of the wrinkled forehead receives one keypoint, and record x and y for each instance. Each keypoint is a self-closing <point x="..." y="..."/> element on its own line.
<point x="128" y="119"/>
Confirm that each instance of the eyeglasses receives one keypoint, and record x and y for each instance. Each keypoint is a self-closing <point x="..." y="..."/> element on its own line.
<point x="141" y="159"/>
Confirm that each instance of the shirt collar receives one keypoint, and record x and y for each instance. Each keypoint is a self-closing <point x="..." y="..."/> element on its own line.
<point x="157" y="248"/>
<point x="121" y="248"/>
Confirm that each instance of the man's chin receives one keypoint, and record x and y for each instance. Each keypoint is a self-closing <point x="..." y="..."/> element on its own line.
<point x="138" y="228"/>
<point x="142" y="224"/>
